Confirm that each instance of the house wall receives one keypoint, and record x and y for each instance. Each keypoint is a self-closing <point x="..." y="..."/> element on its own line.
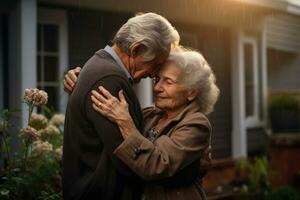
<point x="90" y="31"/>
<point x="214" y="44"/>
<point x="283" y="70"/>
<point x="283" y="53"/>
<point x="257" y="141"/>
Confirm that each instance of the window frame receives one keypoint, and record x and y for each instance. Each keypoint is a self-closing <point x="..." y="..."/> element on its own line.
<point x="253" y="120"/>
<point x="58" y="17"/>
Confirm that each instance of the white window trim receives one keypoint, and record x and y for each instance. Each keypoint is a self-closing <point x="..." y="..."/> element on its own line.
<point x="254" y="120"/>
<point x="58" y="17"/>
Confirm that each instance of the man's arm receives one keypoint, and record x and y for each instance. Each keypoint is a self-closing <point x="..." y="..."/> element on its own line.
<point x="108" y="132"/>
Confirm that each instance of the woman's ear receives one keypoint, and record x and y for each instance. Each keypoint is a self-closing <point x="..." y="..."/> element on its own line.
<point x="136" y="49"/>
<point x="191" y="95"/>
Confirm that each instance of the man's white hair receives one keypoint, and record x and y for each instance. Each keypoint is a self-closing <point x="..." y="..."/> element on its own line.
<point x="151" y="30"/>
<point x="197" y="75"/>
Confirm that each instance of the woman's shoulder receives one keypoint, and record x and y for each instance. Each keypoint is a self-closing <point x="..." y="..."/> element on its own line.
<point x="148" y="110"/>
<point x="196" y="119"/>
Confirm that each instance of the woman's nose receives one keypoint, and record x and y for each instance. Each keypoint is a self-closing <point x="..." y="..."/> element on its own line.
<point x="157" y="87"/>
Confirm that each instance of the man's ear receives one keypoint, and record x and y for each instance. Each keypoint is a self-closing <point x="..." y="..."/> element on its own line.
<point x="191" y="95"/>
<point x="137" y="49"/>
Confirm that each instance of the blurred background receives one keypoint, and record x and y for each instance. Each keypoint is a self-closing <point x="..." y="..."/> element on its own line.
<point x="253" y="47"/>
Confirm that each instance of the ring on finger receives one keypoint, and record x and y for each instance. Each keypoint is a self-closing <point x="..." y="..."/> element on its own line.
<point x="99" y="105"/>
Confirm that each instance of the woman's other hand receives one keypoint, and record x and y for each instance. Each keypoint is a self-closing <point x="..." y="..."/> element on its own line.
<point x="109" y="106"/>
<point x="114" y="109"/>
<point x="71" y="79"/>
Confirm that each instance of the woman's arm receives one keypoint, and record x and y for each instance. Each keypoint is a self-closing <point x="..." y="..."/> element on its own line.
<point x="167" y="155"/>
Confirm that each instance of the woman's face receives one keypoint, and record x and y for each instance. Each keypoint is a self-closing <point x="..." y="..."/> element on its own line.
<point x="170" y="92"/>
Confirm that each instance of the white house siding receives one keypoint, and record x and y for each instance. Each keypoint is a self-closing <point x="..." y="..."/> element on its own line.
<point x="283" y="42"/>
<point x="283" y="32"/>
<point x="283" y="70"/>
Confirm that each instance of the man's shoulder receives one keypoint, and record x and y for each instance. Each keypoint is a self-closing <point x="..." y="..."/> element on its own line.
<point x="99" y="66"/>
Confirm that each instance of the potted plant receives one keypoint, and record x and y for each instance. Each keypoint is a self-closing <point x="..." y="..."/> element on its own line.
<point x="284" y="113"/>
<point x="252" y="181"/>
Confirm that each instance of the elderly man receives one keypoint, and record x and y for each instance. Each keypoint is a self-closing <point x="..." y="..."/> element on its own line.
<point x="90" y="168"/>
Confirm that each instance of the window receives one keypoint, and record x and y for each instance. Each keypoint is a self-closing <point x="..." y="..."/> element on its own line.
<point x="47" y="62"/>
<point x="52" y="55"/>
<point x="252" y="103"/>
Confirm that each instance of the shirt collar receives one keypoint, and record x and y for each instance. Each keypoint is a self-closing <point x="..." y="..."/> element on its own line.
<point x="113" y="54"/>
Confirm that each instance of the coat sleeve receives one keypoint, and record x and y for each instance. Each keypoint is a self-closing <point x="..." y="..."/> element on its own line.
<point x="168" y="154"/>
<point x="108" y="132"/>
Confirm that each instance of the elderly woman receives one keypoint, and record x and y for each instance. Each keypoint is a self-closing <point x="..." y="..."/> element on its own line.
<point x="176" y="130"/>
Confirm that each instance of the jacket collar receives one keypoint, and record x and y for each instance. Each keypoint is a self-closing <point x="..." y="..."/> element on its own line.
<point x="192" y="107"/>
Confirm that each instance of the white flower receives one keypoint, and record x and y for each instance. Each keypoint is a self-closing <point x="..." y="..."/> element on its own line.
<point x="41" y="148"/>
<point x="49" y="132"/>
<point x="58" y="153"/>
<point x="38" y="121"/>
<point x="57" y="120"/>
<point x="29" y="134"/>
<point x="35" y="97"/>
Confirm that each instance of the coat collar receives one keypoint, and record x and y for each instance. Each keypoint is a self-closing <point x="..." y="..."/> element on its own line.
<point x="191" y="108"/>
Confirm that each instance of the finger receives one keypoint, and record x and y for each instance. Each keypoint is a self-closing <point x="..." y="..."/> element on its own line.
<point x="99" y="97"/>
<point x="121" y="96"/>
<point x="105" y="92"/>
<point x="77" y="70"/>
<point x="98" y="102"/>
<point x="69" y="81"/>
<point x="73" y="75"/>
<point x="67" y="87"/>
<point x="102" y="110"/>
<point x="95" y="100"/>
<point x="100" y="106"/>
<point x="97" y="109"/>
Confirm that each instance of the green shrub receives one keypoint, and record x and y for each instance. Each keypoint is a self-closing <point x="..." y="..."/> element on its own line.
<point x="283" y="193"/>
<point x="285" y="101"/>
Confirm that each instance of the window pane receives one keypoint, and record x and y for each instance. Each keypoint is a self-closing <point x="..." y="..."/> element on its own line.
<point x="249" y="79"/>
<point x="50" y="68"/>
<point x="50" y="38"/>
<point x="52" y="97"/>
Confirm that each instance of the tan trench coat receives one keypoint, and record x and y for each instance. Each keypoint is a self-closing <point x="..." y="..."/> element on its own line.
<point x="179" y="143"/>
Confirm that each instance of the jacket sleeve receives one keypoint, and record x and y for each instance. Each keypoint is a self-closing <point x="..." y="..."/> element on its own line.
<point x="108" y="131"/>
<point x="168" y="154"/>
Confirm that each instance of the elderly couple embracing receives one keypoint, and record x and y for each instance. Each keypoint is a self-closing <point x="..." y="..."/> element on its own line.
<point x="115" y="150"/>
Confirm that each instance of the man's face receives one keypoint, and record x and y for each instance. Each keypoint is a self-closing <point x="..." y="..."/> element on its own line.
<point x="141" y="69"/>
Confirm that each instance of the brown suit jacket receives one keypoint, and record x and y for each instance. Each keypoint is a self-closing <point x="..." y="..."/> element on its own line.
<point x="90" y="169"/>
<point x="180" y="143"/>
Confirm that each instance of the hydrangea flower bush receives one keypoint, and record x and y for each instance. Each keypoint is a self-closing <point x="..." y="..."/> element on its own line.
<point x="34" y="172"/>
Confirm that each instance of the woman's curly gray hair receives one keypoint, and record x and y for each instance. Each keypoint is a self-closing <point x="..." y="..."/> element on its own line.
<point x="149" y="29"/>
<point x="197" y="76"/>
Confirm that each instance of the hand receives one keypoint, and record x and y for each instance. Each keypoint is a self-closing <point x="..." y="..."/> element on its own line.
<point x="71" y="79"/>
<point x="110" y="106"/>
<point x="114" y="109"/>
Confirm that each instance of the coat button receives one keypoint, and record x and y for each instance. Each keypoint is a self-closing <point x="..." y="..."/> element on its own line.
<point x="136" y="150"/>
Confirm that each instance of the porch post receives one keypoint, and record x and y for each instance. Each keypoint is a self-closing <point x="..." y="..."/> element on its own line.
<point x="144" y="92"/>
<point x="264" y="77"/>
<point x="239" y="133"/>
<point x="22" y="55"/>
